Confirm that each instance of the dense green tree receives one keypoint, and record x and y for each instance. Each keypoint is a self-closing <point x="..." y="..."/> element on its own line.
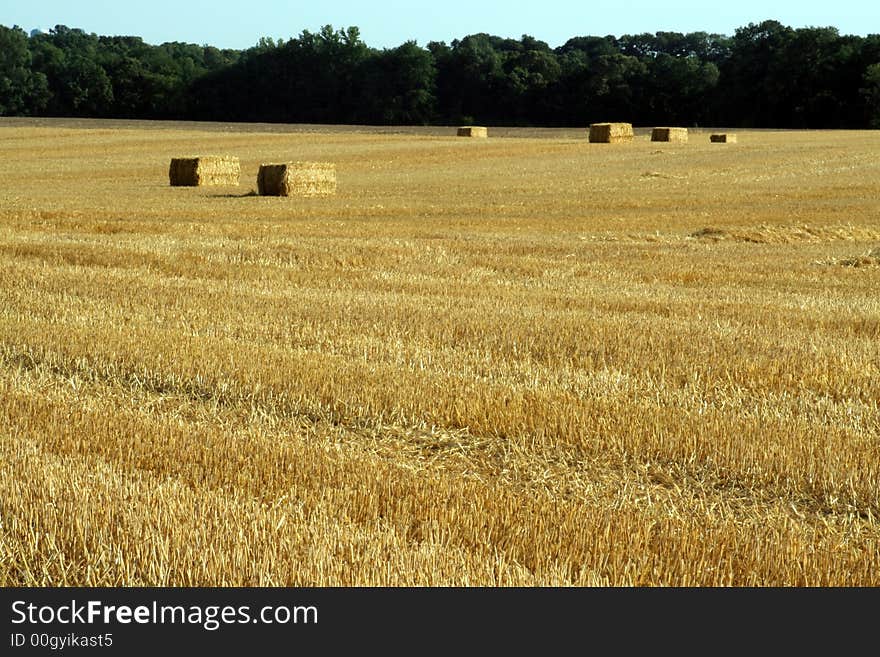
<point x="765" y="75"/>
<point x="871" y="92"/>
<point x="79" y="85"/>
<point x="398" y="86"/>
<point x="531" y="74"/>
<point x="143" y="78"/>
<point x="807" y="75"/>
<point x="472" y="76"/>
<point x="677" y="89"/>
<point x="701" y="45"/>
<point x="598" y="82"/>
<point x="22" y="90"/>
<point x="753" y="81"/>
<point x="612" y="86"/>
<point x="314" y="78"/>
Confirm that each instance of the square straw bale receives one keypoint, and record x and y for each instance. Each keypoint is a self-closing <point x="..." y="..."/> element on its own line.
<point x="297" y="179"/>
<point x="679" y="135"/>
<point x="206" y="170"/>
<point x="611" y="133"/>
<point x="477" y="131"/>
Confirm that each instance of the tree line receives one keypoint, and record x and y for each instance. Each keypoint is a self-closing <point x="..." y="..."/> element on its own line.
<point x="766" y="75"/>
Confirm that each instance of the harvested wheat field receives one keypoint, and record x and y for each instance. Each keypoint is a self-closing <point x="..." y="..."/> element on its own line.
<point x="538" y="362"/>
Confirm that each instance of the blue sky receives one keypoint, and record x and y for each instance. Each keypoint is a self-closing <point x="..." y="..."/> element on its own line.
<point x="237" y="24"/>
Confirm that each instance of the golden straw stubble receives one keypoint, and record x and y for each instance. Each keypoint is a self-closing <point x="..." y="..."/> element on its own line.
<point x="603" y="385"/>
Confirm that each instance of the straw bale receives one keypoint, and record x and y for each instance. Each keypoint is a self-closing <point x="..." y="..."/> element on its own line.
<point x="477" y="131"/>
<point x="297" y="179"/>
<point x="611" y="133"/>
<point x="723" y="138"/>
<point x="679" y="135"/>
<point x="207" y="170"/>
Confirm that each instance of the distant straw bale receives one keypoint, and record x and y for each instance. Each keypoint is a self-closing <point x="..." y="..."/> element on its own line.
<point x="297" y="179"/>
<point x="477" y="131"/>
<point x="611" y="133"/>
<point x="723" y="138"/>
<point x="679" y="135"/>
<point x="209" y="170"/>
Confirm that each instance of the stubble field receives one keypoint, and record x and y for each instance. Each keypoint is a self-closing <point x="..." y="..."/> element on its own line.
<point x="527" y="360"/>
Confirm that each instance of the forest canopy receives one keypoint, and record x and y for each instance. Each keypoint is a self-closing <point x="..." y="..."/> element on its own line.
<point x="766" y="75"/>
